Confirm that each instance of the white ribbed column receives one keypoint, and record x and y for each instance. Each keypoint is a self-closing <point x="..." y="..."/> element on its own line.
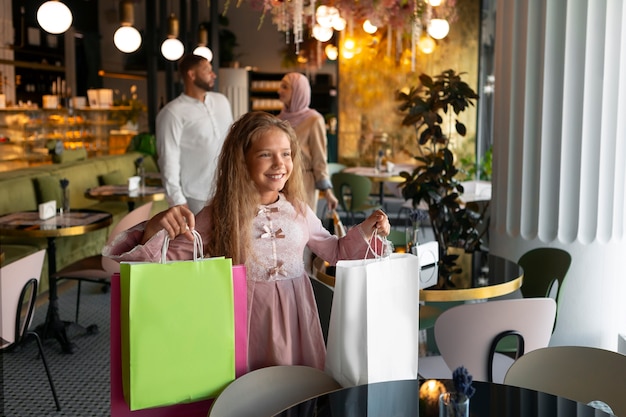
<point x="560" y="153"/>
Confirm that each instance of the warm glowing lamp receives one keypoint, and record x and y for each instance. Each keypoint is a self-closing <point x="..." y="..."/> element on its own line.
<point x="368" y="27"/>
<point x="339" y="24"/>
<point x="438" y="28"/>
<point x="126" y="38"/>
<point x="331" y="52"/>
<point x="54" y="17"/>
<point x="430" y="391"/>
<point x="426" y="44"/>
<point x="326" y="15"/>
<point x="172" y="48"/>
<point x="203" y="40"/>
<point x="435" y="3"/>
<point x="321" y="33"/>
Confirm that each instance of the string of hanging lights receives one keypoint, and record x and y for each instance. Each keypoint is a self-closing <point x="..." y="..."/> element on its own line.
<point x="422" y="22"/>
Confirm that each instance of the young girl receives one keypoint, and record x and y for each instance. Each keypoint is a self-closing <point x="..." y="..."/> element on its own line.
<point x="258" y="217"/>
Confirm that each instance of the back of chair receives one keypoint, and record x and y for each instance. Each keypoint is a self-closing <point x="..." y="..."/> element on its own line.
<point x="138" y="215"/>
<point x="351" y="190"/>
<point x="465" y="333"/>
<point x="334" y="167"/>
<point x="267" y="391"/>
<point x="18" y="288"/>
<point x="583" y="374"/>
<point x="542" y="268"/>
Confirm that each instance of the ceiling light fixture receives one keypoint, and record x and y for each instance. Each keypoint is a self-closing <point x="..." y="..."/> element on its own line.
<point x="172" y="48"/>
<point x="54" y="17"/>
<point x="438" y="28"/>
<point x="203" y="40"/>
<point x="126" y="38"/>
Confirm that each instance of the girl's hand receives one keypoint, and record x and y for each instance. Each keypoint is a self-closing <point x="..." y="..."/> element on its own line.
<point x="177" y="220"/>
<point x="378" y="222"/>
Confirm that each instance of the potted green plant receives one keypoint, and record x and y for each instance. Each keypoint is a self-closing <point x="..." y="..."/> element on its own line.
<point x="438" y="100"/>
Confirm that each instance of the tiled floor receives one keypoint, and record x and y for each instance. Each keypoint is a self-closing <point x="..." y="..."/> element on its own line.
<point x="81" y="379"/>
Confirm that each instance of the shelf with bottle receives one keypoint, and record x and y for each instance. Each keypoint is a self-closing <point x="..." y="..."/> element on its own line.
<point x="264" y="91"/>
<point x="33" y="135"/>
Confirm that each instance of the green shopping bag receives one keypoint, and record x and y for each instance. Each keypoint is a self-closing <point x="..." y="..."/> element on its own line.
<point x="177" y="331"/>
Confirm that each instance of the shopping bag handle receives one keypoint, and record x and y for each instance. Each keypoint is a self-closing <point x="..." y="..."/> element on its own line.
<point x="198" y="247"/>
<point x="386" y="249"/>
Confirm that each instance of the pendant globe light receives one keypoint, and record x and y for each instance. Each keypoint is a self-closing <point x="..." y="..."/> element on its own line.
<point x="126" y="38"/>
<point x="54" y="17"/>
<point x="438" y="28"/>
<point x="172" y="48"/>
<point x="203" y="40"/>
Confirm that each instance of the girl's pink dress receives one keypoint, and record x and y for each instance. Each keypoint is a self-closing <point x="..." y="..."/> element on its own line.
<point x="283" y="322"/>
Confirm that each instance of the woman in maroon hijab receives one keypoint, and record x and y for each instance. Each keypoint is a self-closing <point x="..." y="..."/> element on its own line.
<point x="295" y="93"/>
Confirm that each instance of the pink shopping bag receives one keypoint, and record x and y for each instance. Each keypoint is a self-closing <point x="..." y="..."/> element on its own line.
<point x="119" y="407"/>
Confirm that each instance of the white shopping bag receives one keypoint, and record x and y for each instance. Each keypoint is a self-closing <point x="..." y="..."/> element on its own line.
<point x="374" y="321"/>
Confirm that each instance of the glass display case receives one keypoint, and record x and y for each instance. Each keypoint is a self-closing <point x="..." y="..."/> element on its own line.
<point x="31" y="136"/>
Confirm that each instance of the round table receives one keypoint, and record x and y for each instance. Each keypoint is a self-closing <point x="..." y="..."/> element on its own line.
<point x="484" y="276"/>
<point x="405" y="398"/>
<point x="122" y="193"/>
<point x="74" y="223"/>
<point x="379" y="177"/>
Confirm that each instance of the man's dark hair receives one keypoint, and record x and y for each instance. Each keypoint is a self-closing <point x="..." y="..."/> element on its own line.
<point x="187" y="62"/>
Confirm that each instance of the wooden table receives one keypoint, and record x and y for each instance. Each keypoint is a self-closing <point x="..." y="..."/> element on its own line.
<point x="122" y="193"/>
<point x="378" y="177"/>
<point x="76" y="222"/>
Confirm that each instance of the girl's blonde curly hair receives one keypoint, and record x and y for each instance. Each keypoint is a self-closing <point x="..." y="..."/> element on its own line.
<point x="236" y="200"/>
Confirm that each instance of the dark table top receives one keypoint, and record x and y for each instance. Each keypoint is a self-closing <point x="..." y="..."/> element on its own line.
<point x="484" y="275"/>
<point x="76" y="222"/>
<point x="406" y="399"/>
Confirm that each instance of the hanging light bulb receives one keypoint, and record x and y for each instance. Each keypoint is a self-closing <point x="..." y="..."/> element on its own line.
<point x="331" y="52"/>
<point x="326" y="15"/>
<point x="54" y="17"/>
<point x="426" y="44"/>
<point x="438" y="28"/>
<point x="435" y="3"/>
<point x="339" y="24"/>
<point x="368" y="27"/>
<point x="321" y="33"/>
<point x="172" y="48"/>
<point x="203" y="40"/>
<point x="126" y="38"/>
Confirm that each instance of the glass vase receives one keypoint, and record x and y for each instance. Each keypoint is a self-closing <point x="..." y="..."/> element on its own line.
<point x="412" y="238"/>
<point x="65" y="200"/>
<point x="451" y="404"/>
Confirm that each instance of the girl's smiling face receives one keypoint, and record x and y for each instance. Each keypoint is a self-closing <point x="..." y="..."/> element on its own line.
<point x="269" y="164"/>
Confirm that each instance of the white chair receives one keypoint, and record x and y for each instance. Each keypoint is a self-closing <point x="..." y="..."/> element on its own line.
<point x="267" y="391"/>
<point x="467" y="335"/>
<point x="19" y="281"/>
<point x="583" y="374"/>
<point x="99" y="268"/>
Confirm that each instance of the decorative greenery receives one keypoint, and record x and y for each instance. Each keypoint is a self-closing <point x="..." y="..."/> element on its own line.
<point x="434" y="180"/>
<point x="480" y="170"/>
<point x="463" y="383"/>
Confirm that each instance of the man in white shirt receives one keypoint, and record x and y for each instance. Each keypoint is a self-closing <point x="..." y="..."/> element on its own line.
<point x="190" y="131"/>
